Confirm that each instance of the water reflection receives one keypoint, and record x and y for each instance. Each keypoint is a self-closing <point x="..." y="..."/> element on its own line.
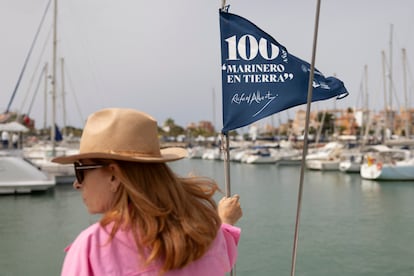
<point x="370" y="186"/>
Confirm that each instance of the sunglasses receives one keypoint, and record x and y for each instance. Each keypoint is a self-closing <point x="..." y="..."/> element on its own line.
<point x="81" y="168"/>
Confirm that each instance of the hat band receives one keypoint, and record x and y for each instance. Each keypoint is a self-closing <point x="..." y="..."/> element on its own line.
<point x="134" y="153"/>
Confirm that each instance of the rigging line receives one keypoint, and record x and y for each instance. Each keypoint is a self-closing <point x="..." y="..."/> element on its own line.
<point x="305" y="142"/>
<point x="410" y="74"/>
<point x="90" y="62"/>
<point x="42" y="52"/>
<point x="27" y="57"/>
<point x="393" y="91"/>
<point x="37" y="88"/>
<point x="68" y="76"/>
<point x="361" y="91"/>
<point x="83" y="36"/>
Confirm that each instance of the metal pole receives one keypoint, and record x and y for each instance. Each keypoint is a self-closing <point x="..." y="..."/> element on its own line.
<point x="384" y="127"/>
<point x="404" y="59"/>
<point x="52" y="128"/>
<point x="63" y="97"/>
<point x="390" y="77"/>
<point x="226" y="152"/>
<point x="45" y="97"/>
<point x="223" y="4"/>
<point x="305" y="146"/>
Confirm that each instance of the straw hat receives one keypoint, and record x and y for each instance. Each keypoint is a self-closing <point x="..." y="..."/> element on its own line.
<point x="122" y="134"/>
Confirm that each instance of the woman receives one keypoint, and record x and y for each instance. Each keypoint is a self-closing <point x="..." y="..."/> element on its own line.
<point x="154" y="222"/>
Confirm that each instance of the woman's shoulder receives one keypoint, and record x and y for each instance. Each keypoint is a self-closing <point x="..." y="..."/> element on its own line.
<point x="85" y="236"/>
<point x="93" y="234"/>
<point x="93" y="228"/>
<point x="92" y="231"/>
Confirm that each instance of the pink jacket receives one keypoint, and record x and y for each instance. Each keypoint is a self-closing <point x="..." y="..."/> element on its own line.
<point x="92" y="254"/>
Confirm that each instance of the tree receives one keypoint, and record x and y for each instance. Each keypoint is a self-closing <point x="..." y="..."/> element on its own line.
<point x="328" y="124"/>
<point x="172" y="129"/>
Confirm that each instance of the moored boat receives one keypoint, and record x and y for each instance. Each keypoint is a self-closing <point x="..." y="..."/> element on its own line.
<point x="325" y="158"/>
<point x="351" y="162"/>
<point x="323" y="164"/>
<point x="289" y="157"/>
<point x="196" y="152"/>
<point x="388" y="164"/>
<point x="259" y="155"/>
<point x="41" y="156"/>
<point x="20" y="176"/>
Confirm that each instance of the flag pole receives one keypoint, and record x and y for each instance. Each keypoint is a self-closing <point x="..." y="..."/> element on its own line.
<point x="305" y="142"/>
<point x="226" y="154"/>
<point x="223" y="4"/>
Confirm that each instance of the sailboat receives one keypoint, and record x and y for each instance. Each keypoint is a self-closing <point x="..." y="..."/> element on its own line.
<point x="41" y="154"/>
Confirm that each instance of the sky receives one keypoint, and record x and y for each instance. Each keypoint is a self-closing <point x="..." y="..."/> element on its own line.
<point x="163" y="57"/>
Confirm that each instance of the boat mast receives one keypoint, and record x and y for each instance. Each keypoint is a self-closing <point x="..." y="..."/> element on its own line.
<point x="391" y="117"/>
<point x="365" y="107"/>
<point x="52" y="128"/>
<point x="404" y="59"/>
<point x="385" y="97"/>
<point x="213" y="93"/>
<point x="45" y="96"/>
<point x="366" y="104"/>
<point x="63" y="96"/>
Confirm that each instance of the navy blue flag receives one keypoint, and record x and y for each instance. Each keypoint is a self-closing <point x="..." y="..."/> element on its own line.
<point x="58" y="134"/>
<point x="260" y="77"/>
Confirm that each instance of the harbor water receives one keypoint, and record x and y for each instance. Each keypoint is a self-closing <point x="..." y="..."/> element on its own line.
<point x="348" y="226"/>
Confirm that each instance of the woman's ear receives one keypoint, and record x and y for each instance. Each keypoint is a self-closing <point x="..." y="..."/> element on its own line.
<point x="115" y="180"/>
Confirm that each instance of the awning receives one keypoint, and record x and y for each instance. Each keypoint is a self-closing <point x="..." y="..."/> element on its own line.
<point x="13" y="127"/>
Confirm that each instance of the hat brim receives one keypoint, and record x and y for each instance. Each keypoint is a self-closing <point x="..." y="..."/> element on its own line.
<point x="167" y="155"/>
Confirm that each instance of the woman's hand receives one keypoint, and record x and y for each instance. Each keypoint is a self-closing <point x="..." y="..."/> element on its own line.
<point x="229" y="209"/>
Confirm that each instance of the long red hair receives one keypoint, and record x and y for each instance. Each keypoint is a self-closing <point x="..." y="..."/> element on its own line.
<point x="173" y="217"/>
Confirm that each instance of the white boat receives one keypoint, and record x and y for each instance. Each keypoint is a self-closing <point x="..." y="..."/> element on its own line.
<point x="17" y="175"/>
<point x="350" y="166"/>
<point x="41" y="156"/>
<point x="287" y="155"/>
<point x="290" y="160"/>
<point x="196" y="152"/>
<point x="323" y="164"/>
<point x="388" y="164"/>
<point x="326" y="158"/>
<point x="212" y="154"/>
<point x="351" y="162"/>
<point x="237" y="154"/>
<point x="259" y="155"/>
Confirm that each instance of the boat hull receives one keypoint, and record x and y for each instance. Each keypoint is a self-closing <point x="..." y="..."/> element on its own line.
<point x="19" y="176"/>
<point x="399" y="172"/>
<point x="322" y="165"/>
<point x="349" y="166"/>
